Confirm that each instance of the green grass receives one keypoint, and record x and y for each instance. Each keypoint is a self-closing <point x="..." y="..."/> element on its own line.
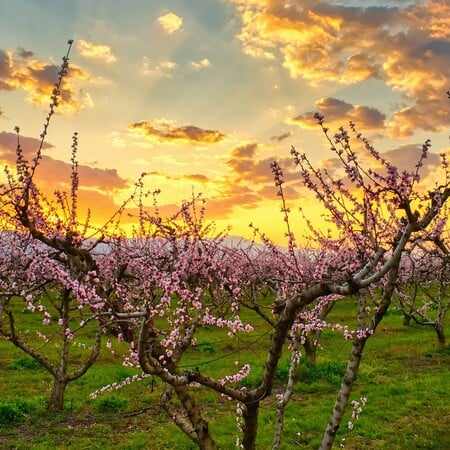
<point x="404" y="378"/>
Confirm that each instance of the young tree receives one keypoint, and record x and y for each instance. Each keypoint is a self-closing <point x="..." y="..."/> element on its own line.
<point x="49" y="267"/>
<point x="422" y="293"/>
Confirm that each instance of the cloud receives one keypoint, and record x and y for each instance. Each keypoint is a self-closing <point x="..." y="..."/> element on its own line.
<point x="170" y="22"/>
<point x="223" y="206"/>
<point x="405" y="157"/>
<point x="281" y="137"/>
<point x="101" y="205"/>
<point x="246" y="165"/>
<point x="95" y="51"/>
<point x="337" y="112"/>
<point x="98" y="187"/>
<point x="8" y="146"/>
<point x="433" y="17"/>
<point x="247" y="182"/>
<point x="55" y="171"/>
<point x="430" y="115"/>
<point x="421" y="72"/>
<point x="6" y="74"/>
<point x="22" y="70"/>
<point x="163" y="131"/>
<point x="58" y="172"/>
<point x="245" y="151"/>
<point x="86" y="98"/>
<point x="197" y="178"/>
<point x="406" y="46"/>
<point x="24" y="53"/>
<point x="163" y="69"/>
<point x="205" y="62"/>
<point x="269" y="192"/>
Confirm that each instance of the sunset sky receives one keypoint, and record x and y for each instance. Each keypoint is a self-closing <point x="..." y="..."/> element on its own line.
<point x="204" y="94"/>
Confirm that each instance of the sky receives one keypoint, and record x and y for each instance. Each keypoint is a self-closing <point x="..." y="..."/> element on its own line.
<point x="202" y="95"/>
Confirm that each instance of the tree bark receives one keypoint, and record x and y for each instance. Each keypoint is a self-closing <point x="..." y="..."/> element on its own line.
<point x="205" y="441"/>
<point x="250" y="425"/>
<point x="356" y="356"/>
<point x="344" y="394"/>
<point x="406" y="319"/>
<point x="57" y="397"/>
<point x="285" y="398"/>
<point x="440" y="333"/>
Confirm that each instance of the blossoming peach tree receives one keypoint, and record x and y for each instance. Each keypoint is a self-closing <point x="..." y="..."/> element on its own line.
<point x="424" y="281"/>
<point x="167" y="288"/>
<point x="375" y="216"/>
<point x="50" y="268"/>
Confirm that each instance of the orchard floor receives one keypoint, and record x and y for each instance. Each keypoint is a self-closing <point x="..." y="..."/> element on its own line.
<point x="405" y="379"/>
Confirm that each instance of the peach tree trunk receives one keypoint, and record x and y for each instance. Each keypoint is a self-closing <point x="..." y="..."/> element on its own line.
<point x="355" y="360"/>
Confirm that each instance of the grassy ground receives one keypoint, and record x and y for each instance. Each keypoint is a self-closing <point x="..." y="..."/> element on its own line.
<point x="406" y="382"/>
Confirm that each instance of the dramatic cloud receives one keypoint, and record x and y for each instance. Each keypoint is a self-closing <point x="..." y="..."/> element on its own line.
<point x="223" y="206"/>
<point x="247" y="182"/>
<point x="90" y="177"/>
<point x="269" y="192"/>
<point x="246" y="165"/>
<point x="164" y="131"/>
<point x="22" y="70"/>
<point x="95" y="51"/>
<point x="403" y="157"/>
<point x="205" y="62"/>
<point x="8" y="146"/>
<point x="98" y="187"/>
<point x="163" y="69"/>
<point x="170" y="22"/>
<point x="407" y="47"/>
<point x="54" y="172"/>
<point x="338" y="112"/>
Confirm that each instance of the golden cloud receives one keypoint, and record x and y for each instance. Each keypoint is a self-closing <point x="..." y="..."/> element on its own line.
<point x="337" y="112"/>
<point x="170" y="22"/>
<point x="95" y="51"/>
<point x="430" y="115"/>
<point x="163" y="131"/>
<point x="22" y="70"/>
<point x="407" y="47"/>
<point x="247" y="167"/>
<point x="247" y="182"/>
<point x="8" y="146"/>
<point x="97" y="186"/>
<point x="403" y="157"/>
<point x="56" y="172"/>
<point x="433" y="17"/>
